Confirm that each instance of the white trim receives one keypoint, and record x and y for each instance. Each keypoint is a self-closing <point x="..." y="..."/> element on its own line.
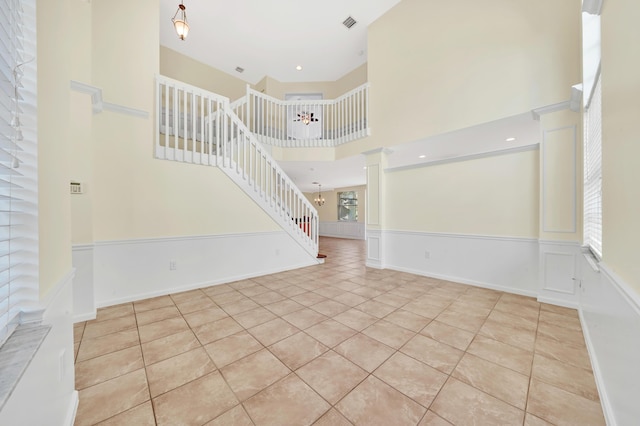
<point x="470" y="259"/>
<point x="123" y="271"/>
<point x="465" y="281"/>
<point x="537" y="112"/>
<point x="572" y="230"/>
<point x="629" y="295"/>
<point x="73" y="408"/>
<point x="53" y="294"/>
<point x="203" y="284"/>
<point x="375" y="249"/>
<point x="607" y="409"/>
<point x="99" y="105"/>
<point x="610" y="318"/>
<point x="487" y="154"/>
<point x="448" y="235"/>
<point x="343" y="229"/>
<point x="82" y="247"/>
<point x="180" y="238"/>
<point x="378" y="151"/>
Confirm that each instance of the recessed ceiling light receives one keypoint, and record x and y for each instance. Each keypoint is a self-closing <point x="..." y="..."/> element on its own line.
<point x="422" y="156"/>
<point x="510" y="139"/>
<point x="364" y="168"/>
<point x="299" y="67"/>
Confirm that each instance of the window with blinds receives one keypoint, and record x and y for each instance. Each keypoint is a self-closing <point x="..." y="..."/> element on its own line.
<point x="593" y="172"/>
<point x="18" y="164"/>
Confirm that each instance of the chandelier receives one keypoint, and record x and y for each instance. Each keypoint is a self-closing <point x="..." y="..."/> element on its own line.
<point x="180" y="22"/>
<point x="319" y="201"/>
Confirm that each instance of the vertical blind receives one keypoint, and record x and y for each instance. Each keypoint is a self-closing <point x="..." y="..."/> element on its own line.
<point x="18" y="164"/>
<point x="593" y="171"/>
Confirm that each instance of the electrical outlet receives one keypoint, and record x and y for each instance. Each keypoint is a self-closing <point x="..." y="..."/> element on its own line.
<point x="427" y="255"/>
<point x="172" y="265"/>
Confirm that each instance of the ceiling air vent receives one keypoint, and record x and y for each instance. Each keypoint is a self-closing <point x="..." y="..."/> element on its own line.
<point x="240" y="69"/>
<point x="349" y="22"/>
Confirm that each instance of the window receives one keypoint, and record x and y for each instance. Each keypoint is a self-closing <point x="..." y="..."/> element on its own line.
<point x="593" y="172"/>
<point x="348" y="206"/>
<point x="18" y="164"/>
<point x="591" y="81"/>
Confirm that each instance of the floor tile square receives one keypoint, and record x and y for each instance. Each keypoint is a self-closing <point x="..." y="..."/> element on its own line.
<point x="304" y="318"/>
<point x="197" y="402"/>
<point x="106" y="367"/>
<point x="178" y="370"/>
<point x="288" y="402"/>
<point x="204" y="316"/>
<point x="565" y="376"/>
<point x="452" y="336"/>
<point x="329" y="308"/>
<point x="237" y="416"/>
<point x="147" y="317"/>
<point x="253" y="373"/>
<point x="284" y="307"/>
<point x="560" y="407"/>
<point x="254" y="317"/>
<point x="388" y="333"/>
<point x="462" y="404"/>
<point x="330" y="332"/>
<point x="123" y="392"/>
<point x="212" y="331"/>
<point x="376" y="403"/>
<point x="161" y="329"/>
<point x="355" y="319"/>
<point x="91" y="348"/>
<point x="230" y="349"/>
<point x="166" y="347"/>
<point x="497" y="381"/>
<point x="502" y="354"/>
<point x="297" y="350"/>
<point x="408" y="320"/>
<point x="141" y="415"/>
<point x="364" y="351"/>
<point x="413" y="378"/>
<point x="431" y="352"/>
<point x="273" y="331"/>
<point x="332" y="376"/>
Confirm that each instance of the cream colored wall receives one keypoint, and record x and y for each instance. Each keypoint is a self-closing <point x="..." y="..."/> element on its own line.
<point x="439" y="66"/>
<point x="329" y="211"/>
<point x="180" y="67"/>
<point x="621" y="139"/>
<point x="130" y="194"/>
<point x="54" y="48"/>
<point x="350" y="81"/>
<point x="496" y="196"/>
<point x="329" y="89"/>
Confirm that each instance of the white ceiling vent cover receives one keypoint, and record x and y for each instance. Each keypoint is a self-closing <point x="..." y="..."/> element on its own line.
<point x="349" y="22"/>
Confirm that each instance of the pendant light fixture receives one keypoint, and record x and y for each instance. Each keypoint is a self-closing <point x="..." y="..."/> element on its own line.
<point x="180" y="21"/>
<point x="319" y="201"/>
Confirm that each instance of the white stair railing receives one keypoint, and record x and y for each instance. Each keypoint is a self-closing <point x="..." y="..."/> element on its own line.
<point x="200" y="127"/>
<point x="305" y="123"/>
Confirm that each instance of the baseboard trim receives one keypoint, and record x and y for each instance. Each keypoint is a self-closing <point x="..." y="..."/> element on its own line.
<point x="203" y="284"/>
<point x="73" y="409"/>
<point x="85" y="317"/>
<point x="465" y="281"/>
<point x="558" y="302"/>
<point x="607" y="409"/>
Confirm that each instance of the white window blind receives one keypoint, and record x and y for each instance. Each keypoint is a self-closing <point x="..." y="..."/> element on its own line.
<point x="18" y="164"/>
<point x="593" y="171"/>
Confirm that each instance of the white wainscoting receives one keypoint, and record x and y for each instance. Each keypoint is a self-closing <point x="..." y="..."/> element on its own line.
<point x="500" y="263"/>
<point x="341" y="229"/>
<point x="375" y="249"/>
<point x="129" y="270"/>
<point x="45" y="394"/>
<point x="84" y="302"/>
<point x="559" y="272"/>
<point x="610" y="317"/>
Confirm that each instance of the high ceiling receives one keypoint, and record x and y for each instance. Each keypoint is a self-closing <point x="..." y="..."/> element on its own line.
<point x="272" y="37"/>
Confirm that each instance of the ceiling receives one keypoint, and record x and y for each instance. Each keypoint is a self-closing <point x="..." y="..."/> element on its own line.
<point x="470" y="141"/>
<point x="271" y="37"/>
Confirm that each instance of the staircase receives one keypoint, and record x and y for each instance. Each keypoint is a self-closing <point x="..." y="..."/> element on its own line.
<point x="201" y="127"/>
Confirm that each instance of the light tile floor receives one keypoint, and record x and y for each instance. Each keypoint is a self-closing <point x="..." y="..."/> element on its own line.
<point x="335" y="344"/>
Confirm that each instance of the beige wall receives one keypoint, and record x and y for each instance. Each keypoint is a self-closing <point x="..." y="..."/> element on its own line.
<point x="54" y="49"/>
<point x="128" y="193"/>
<point x="180" y="67"/>
<point x="439" y="66"/>
<point x="495" y="196"/>
<point x="621" y="139"/>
